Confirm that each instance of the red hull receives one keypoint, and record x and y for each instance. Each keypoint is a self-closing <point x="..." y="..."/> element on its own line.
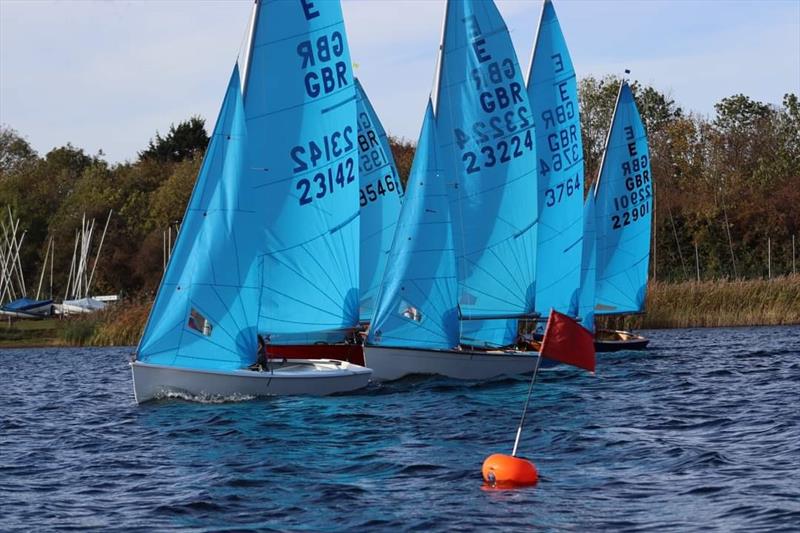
<point x="352" y="353"/>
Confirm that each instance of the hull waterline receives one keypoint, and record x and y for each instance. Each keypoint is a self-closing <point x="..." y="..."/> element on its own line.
<point x="394" y="363"/>
<point x="315" y="378"/>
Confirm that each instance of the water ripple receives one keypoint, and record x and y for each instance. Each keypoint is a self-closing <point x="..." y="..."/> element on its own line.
<point x="700" y="433"/>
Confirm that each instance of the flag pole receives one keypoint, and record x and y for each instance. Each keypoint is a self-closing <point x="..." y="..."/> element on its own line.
<point x="525" y="409"/>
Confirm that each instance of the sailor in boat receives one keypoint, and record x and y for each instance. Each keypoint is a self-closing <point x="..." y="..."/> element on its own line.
<point x="262" y="362"/>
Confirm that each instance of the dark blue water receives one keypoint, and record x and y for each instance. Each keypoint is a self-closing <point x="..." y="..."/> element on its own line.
<point x="700" y="432"/>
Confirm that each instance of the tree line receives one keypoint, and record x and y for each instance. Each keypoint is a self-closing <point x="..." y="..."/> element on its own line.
<point x="724" y="185"/>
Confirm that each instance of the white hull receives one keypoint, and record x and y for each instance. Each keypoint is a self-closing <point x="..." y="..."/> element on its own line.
<point x="84" y="305"/>
<point x="317" y="377"/>
<point x="394" y="363"/>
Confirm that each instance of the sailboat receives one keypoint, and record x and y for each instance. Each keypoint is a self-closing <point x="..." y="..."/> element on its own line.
<point x="380" y="199"/>
<point x="465" y="245"/>
<point x="623" y="200"/>
<point x="268" y="239"/>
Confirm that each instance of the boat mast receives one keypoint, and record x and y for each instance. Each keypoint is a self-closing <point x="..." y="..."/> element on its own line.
<point x="72" y="268"/>
<point x="44" y="267"/>
<point x="249" y="47"/>
<point x="608" y="135"/>
<point x="99" y="249"/>
<point x="536" y="42"/>
<point x="437" y="77"/>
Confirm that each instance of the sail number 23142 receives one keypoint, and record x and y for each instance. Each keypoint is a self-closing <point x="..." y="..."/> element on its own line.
<point x="330" y="156"/>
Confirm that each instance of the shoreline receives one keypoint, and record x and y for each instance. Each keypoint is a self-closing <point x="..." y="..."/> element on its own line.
<point x="684" y="305"/>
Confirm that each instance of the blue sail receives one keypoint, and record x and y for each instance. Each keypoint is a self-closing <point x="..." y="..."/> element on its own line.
<point x="623" y="197"/>
<point x="300" y="103"/>
<point x="380" y="200"/>
<point x="206" y="310"/>
<point x="586" y="295"/>
<point x="416" y="304"/>
<point x="485" y="130"/>
<point x="553" y="93"/>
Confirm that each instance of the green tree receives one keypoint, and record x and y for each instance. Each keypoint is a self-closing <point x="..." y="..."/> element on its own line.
<point x="15" y="152"/>
<point x="184" y="141"/>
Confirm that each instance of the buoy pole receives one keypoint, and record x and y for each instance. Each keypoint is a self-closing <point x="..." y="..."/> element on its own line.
<point x="525" y="409"/>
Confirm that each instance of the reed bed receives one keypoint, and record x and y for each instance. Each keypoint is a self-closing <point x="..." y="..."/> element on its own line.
<point x="121" y="325"/>
<point x="719" y="303"/>
<point x="716" y="303"/>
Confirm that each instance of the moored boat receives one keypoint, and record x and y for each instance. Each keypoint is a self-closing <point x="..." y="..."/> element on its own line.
<point x="614" y="340"/>
<point x="622" y="204"/>
<point x="27" y="308"/>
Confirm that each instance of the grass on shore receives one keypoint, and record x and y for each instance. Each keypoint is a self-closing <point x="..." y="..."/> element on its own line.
<point x="719" y="303"/>
<point x="669" y="305"/>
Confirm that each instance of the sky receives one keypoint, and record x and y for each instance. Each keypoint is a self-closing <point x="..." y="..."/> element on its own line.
<point x="107" y="74"/>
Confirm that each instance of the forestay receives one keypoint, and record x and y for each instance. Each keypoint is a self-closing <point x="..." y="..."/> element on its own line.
<point x="417" y="300"/>
<point x="300" y="103"/>
<point x="380" y="201"/>
<point x="623" y="197"/>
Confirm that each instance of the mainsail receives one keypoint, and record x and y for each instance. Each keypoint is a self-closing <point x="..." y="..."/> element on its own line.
<point x="300" y="103"/>
<point x="553" y="94"/>
<point x="380" y="200"/>
<point x="485" y="130"/>
<point x="623" y="210"/>
<point x="270" y="239"/>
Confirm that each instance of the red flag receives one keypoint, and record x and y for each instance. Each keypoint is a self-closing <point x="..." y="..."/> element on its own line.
<point x="568" y="342"/>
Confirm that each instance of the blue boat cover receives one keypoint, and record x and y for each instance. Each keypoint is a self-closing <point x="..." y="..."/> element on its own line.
<point x="417" y="300"/>
<point x="24" y="304"/>
<point x="623" y="204"/>
<point x="380" y="199"/>
<point x="553" y="94"/>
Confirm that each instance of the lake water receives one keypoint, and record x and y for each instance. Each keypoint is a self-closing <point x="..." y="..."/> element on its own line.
<point x="701" y="432"/>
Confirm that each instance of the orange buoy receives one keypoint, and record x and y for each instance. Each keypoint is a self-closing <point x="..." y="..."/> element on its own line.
<point x="507" y="471"/>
